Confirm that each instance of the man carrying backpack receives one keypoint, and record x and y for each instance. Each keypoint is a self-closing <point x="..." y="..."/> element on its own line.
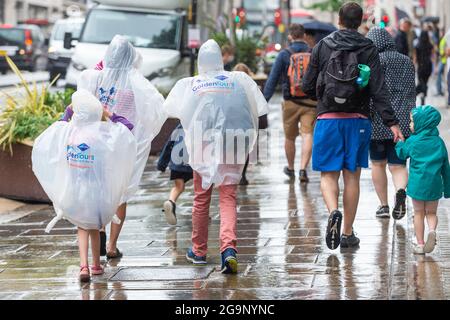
<point x="298" y="110"/>
<point x="338" y="76"/>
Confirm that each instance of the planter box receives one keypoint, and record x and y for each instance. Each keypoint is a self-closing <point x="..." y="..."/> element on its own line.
<point x="164" y="135"/>
<point x="17" y="180"/>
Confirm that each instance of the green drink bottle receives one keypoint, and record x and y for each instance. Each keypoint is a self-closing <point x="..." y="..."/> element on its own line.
<point x="364" y="76"/>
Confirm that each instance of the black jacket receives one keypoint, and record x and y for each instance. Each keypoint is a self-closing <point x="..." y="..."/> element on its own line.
<point x="377" y="90"/>
<point x="401" y="41"/>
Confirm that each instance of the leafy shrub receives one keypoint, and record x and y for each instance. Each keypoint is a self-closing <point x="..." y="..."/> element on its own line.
<point x="26" y="116"/>
<point x="245" y="50"/>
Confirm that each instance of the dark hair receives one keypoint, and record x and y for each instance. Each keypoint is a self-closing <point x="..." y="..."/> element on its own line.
<point x="424" y="41"/>
<point x="297" y="31"/>
<point x="351" y="15"/>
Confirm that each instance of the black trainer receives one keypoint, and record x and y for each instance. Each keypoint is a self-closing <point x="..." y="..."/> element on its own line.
<point x="333" y="237"/>
<point x="290" y="173"/>
<point x="400" y="205"/>
<point x="303" y="176"/>
<point x="102" y="243"/>
<point x="351" y="241"/>
<point x="383" y="212"/>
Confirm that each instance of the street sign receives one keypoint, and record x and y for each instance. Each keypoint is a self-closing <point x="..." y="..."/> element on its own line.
<point x="194" y="39"/>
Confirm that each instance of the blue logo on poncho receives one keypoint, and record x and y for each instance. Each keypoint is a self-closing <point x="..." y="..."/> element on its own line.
<point x="83" y="147"/>
<point x="222" y="78"/>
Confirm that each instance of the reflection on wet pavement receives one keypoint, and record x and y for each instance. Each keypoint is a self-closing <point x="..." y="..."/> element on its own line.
<point x="282" y="253"/>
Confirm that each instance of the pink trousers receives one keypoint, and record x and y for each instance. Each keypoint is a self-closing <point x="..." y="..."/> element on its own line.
<point x="200" y="217"/>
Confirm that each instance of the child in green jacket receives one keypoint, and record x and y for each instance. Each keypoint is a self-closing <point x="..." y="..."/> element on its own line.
<point x="429" y="172"/>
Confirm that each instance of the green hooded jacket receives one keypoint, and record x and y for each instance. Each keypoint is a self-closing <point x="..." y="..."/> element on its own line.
<point x="429" y="169"/>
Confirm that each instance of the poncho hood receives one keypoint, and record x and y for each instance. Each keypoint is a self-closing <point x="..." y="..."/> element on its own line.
<point x="210" y="58"/>
<point x="121" y="54"/>
<point x="86" y="107"/>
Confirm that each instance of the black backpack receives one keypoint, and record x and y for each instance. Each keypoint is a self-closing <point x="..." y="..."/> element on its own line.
<point x="340" y="91"/>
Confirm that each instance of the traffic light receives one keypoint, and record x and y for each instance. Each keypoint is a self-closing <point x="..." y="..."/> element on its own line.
<point x="277" y="17"/>
<point x="240" y="17"/>
<point x="384" y="21"/>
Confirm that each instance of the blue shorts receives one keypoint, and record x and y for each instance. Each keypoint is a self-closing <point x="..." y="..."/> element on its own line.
<point x="341" y="144"/>
<point x="384" y="150"/>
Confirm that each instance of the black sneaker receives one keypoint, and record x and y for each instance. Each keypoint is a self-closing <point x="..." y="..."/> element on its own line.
<point x="400" y="205"/>
<point x="169" y="210"/>
<point x="383" y="212"/>
<point x="333" y="237"/>
<point x="229" y="262"/>
<point x="102" y="243"/>
<point x="290" y="173"/>
<point x="303" y="176"/>
<point x="351" y="241"/>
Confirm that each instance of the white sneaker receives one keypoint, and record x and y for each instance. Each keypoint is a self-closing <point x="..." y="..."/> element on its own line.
<point x="169" y="211"/>
<point x="418" y="249"/>
<point x="431" y="242"/>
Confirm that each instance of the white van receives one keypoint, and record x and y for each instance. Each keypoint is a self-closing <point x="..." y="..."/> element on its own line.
<point x="59" y="57"/>
<point x="157" y="29"/>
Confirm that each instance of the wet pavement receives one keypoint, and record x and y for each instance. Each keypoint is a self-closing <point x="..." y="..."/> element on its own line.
<point x="282" y="254"/>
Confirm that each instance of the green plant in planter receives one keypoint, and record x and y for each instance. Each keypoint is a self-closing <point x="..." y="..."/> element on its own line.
<point x="26" y="116"/>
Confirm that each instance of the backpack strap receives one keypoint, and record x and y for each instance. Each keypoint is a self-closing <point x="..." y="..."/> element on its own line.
<point x="291" y="52"/>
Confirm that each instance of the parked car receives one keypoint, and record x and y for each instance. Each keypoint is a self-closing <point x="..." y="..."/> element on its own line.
<point x="25" y="45"/>
<point x="58" y="57"/>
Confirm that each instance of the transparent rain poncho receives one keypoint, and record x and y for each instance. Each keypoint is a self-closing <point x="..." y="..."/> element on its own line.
<point x="85" y="165"/>
<point x="122" y="89"/>
<point x="219" y="112"/>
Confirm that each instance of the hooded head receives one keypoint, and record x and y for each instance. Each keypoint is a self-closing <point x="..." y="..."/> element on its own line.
<point x="426" y="119"/>
<point x="210" y="57"/>
<point x="120" y="54"/>
<point x="382" y="39"/>
<point x="86" y="107"/>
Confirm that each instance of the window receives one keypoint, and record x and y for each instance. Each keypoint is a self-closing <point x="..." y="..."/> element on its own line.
<point x="143" y="29"/>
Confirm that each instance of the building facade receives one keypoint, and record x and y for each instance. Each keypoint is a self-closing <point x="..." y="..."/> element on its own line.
<point x="38" y="11"/>
<point x="441" y="9"/>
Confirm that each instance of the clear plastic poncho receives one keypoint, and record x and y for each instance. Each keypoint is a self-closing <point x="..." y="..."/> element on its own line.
<point x="122" y="89"/>
<point x="85" y="165"/>
<point x="219" y="112"/>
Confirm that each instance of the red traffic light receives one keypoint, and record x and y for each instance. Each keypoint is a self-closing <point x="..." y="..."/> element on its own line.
<point x="277" y="17"/>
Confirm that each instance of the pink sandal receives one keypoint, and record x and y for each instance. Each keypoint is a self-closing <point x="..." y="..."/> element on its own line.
<point x="97" y="270"/>
<point x="84" y="274"/>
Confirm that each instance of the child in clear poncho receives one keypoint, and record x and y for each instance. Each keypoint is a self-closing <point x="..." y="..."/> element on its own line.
<point x="122" y="89"/>
<point x="216" y="109"/>
<point x="85" y="167"/>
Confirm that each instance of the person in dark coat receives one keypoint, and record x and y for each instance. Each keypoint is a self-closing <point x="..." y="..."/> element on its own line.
<point x="175" y="157"/>
<point x="400" y="79"/>
<point x="424" y="52"/>
<point x="402" y="38"/>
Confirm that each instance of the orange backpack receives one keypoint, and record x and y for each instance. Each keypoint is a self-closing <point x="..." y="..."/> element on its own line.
<point x="297" y="70"/>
